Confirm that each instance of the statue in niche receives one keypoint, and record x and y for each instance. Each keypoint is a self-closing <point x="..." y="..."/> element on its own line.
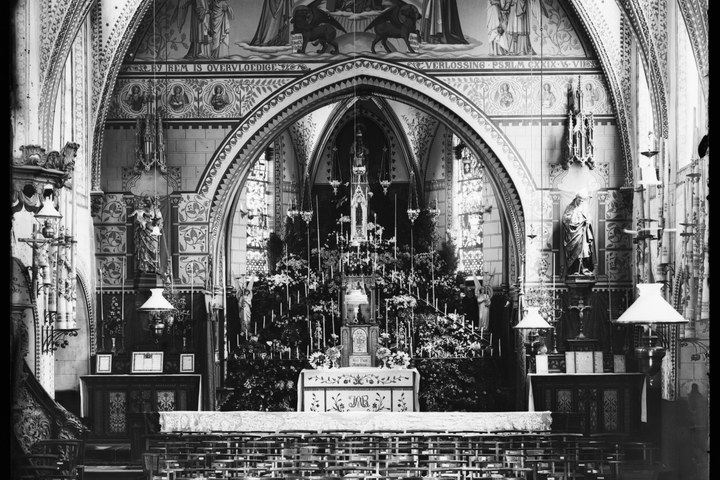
<point x="578" y="238"/>
<point x="148" y="229"/>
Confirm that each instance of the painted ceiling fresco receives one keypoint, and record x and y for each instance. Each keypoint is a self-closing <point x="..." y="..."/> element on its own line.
<point x="296" y="30"/>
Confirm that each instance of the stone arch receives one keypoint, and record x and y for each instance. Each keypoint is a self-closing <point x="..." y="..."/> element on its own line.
<point x="230" y="165"/>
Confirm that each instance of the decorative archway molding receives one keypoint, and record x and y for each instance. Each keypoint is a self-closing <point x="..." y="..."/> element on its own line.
<point x="231" y="163"/>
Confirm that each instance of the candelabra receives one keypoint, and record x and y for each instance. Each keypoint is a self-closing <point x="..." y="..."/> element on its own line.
<point x="53" y="267"/>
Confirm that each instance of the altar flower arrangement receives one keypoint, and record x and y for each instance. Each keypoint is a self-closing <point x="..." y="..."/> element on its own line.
<point x="382" y="354"/>
<point x="403" y="301"/>
<point x="399" y="360"/>
<point x="318" y="360"/>
<point x="333" y="354"/>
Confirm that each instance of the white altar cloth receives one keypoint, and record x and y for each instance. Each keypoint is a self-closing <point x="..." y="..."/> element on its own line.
<point x="368" y="389"/>
<point x="252" y="421"/>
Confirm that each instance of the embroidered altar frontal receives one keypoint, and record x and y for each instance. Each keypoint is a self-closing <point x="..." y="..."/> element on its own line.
<point x="355" y="389"/>
<point x="247" y="421"/>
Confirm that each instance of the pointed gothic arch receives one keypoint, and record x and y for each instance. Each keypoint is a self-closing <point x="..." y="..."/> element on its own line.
<point x="231" y="163"/>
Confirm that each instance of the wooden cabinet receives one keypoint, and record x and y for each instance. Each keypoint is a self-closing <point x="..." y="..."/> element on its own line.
<point x="111" y="402"/>
<point x="590" y="403"/>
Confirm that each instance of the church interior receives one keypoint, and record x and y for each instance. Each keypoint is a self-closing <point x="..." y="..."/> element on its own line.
<point x="508" y="277"/>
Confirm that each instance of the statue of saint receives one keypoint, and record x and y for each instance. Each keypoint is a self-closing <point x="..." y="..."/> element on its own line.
<point x="148" y="229"/>
<point x="578" y="238"/>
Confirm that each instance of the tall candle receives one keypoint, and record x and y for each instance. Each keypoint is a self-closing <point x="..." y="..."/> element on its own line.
<point x="122" y="296"/>
<point x="332" y="315"/>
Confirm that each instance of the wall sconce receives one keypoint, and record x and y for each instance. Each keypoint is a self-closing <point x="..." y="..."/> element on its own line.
<point x="648" y="310"/>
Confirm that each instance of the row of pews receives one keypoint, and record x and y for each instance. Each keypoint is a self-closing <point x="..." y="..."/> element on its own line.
<point x="395" y="455"/>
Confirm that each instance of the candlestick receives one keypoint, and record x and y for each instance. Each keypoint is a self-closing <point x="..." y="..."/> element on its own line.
<point x="332" y="315"/>
<point x="386" y="316"/>
<point x="122" y="296"/>
<point x="263" y="322"/>
<point x="499" y="348"/>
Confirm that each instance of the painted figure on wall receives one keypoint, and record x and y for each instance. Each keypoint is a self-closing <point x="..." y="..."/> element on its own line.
<point x="200" y="29"/>
<point x="505" y="96"/>
<point x="317" y="26"/>
<point x="522" y="16"/>
<point x="220" y="15"/>
<point x="135" y="99"/>
<point x="441" y="22"/>
<point x="148" y="230"/>
<point x="578" y="238"/>
<point x="178" y="99"/>
<point x="548" y="97"/>
<point x="496" y="26"/>
<point x="274" y="25"/>
<point x="219" y="100"/>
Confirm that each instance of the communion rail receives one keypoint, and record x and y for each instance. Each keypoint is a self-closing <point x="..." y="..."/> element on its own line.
<point x="385" y="453"/>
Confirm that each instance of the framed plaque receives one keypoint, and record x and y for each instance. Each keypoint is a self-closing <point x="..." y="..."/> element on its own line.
<point x="187" y="362"/>
<point x="147" y="362"/>
<point x="103" y="363"/>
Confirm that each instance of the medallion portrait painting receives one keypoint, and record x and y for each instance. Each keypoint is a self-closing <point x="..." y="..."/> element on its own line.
<point x="205" y="30"/>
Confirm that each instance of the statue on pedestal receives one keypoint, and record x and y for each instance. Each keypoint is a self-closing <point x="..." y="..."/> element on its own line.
<point x="578" y="239"/>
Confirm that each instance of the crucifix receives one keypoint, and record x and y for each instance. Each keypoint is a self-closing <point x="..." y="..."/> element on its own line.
<point x="580" y="307"/>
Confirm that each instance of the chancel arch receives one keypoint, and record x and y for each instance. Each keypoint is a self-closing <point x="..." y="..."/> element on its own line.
<point x="232" y="161"/>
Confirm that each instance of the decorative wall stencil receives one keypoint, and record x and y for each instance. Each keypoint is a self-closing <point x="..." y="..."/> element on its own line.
<point x="303" y="134"/>
<point x="111" y="268"/>
<point x="192" y="209"/>
<point x="615" y="237"/>
<point x="192" y="239"/>
<point x="617" y="265"/>
<point x="420" y="129"/>
<point x="618" y="205"/>
<point x="113" y="209"/>
<point x="192" y="269"/>
<point x="111" y="239"/>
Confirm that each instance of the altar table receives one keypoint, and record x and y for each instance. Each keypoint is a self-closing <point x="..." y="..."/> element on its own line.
<point x="273" y="422"/>
<point x="352" y="389"/>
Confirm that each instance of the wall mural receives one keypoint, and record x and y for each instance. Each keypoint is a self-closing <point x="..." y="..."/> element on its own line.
<point x="205" y="30"/>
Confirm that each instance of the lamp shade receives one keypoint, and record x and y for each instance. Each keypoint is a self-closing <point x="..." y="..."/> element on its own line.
<point x="533" y="320"/>
<point x="48" y="210"/>
<point x="650" y="307"/>
<point x="156" y="302"/>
